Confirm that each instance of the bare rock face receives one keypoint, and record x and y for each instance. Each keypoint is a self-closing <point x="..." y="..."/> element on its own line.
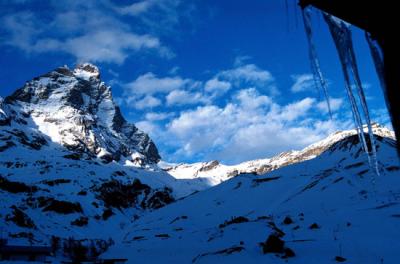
<point x="210" y="165"/>
<point x="75" y="109"/>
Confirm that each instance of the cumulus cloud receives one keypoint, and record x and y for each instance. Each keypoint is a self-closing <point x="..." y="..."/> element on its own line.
<point x="216" y="86"/>
<point x="246" y="125"/>
<point x="250" y="74"/>
<point x="180" y="91"/>
<point x="182" y="97"/>
<point x="148" y="126"/>
<point x="147" y="102"/>
<point x="251" y="124"/>
<point x="251" y="99"/>
<point x="335" y="104"/>
<point x="295" y="110"/>
<point x="149" y="83"/>
<point x="176" y="90"/>
<point x="88" y="30"/>
<point x="302" y="82"/>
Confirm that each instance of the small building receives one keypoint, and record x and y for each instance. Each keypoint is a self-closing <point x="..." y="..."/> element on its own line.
<point x="25" y="253"/>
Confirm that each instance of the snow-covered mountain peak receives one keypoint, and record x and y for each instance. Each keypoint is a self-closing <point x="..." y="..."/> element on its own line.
<point x="64" y="85"/>
<point x="86" y="71"/>
<point x="75" y="108"/>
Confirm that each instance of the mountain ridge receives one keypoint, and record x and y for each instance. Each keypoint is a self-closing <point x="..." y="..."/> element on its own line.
<point x="76" y="109"/>
<point x="216" y="172"/>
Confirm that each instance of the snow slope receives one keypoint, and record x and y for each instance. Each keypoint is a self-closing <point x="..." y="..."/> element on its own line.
<point x="339" y="209"/>
<point x="70" y="165"/>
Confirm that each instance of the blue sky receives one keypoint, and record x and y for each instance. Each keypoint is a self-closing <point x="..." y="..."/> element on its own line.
<point x="226" y="80"/>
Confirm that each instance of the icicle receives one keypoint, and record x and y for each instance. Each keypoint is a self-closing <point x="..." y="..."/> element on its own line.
<point x="342" y="37"/>
<point x="377" y="58"/>
<point x="363" y="101"/>
<point x="315" y="68"/>
<point x="378" y="61"/>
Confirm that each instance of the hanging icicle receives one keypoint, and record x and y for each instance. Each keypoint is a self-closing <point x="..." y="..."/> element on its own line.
<point x="341" y="35"/>
<point x="319" y="79"/>
<point x="376" y="55"/>
<point x="377" y="58"/>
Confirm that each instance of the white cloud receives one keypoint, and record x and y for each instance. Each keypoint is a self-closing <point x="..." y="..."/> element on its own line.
<point x="183" y="91"/>
<point x="149" y="83"/>
<point x="135" y="8"/>
<point x="216" y="86"/>
<point x="148" y="127"/>
<point x="251" y="124"/>
<point x="182" y="97"/>
<point x="251" y="99"/>
<point x="147" y="102"/>
<point x="197" y="118"/>
<point x="296" y="110"/>
<point x="154" y="116"/>
<point x="249" y="73"/>
<point x="103" y="46"/>
<point x="176" y="90"/>
<point x="335" y="104"/>
<point x="302" y="82"/>
<point x="86" y="30"/>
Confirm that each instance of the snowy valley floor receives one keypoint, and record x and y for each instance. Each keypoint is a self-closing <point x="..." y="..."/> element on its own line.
<point x="341" y="211"/>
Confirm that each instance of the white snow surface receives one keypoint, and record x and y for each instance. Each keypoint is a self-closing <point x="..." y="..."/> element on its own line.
<point x="356" y="220"/>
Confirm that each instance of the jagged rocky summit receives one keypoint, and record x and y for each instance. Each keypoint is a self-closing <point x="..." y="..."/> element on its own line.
<point x="75" y="108"/>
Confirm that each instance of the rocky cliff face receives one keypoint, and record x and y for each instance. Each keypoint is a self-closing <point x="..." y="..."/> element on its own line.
<point x="75" y="109"/>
